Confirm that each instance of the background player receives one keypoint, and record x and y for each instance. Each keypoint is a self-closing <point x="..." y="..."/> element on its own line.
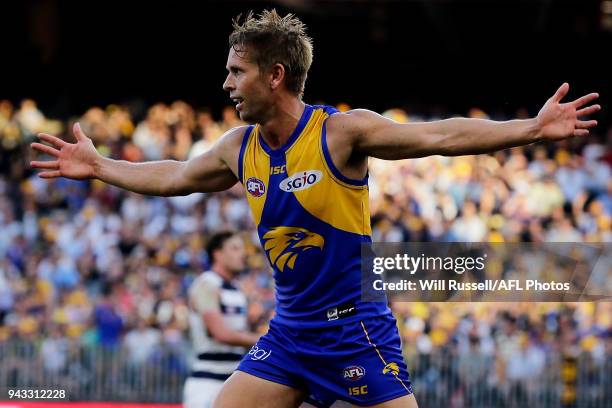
<point x="217" y="320"/>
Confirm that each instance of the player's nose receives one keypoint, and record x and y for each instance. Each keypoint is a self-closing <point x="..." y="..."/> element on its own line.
<point x="228" y="85"/>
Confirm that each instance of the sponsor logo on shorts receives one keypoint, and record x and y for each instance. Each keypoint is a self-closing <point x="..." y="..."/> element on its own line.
<point x="391" y="368"/>
<point x="257" y="353"/>
<point x="339" y="312"/>
<point x="353" y="373"/>
<point x="301" y="181"/>
<point x="355" y="391"/>
<point x="255" y="187"/>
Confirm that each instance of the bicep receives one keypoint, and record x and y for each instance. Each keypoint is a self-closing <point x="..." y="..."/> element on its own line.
<point x="214" y="322"/>
<point x="216" y="169"/>
<point x="207" y="173"/>
<point x="383" y="138"/>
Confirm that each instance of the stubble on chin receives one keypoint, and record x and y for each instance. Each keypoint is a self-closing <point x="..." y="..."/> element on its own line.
<point x="245" y="117"/>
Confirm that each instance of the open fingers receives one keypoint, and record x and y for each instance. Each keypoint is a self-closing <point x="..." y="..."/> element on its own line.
<point x="581" y="132"/>
<point x="55" y="141"/>
<point x="588" y="110"/>
<point x="585" y="124"/>
<point x="45" y="149"/>
<point x="561" y="92"/>
<point x="78" y="133"/>
<point x="583" y="100"/>
<point x="50" y="174"/>
<point x="52" y="165"/>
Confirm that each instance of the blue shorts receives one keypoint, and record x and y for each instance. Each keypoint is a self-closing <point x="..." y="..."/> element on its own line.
<point x="358" y="362"/>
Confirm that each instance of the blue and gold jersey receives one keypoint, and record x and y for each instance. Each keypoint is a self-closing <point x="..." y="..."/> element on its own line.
<point x="311" y="222"/>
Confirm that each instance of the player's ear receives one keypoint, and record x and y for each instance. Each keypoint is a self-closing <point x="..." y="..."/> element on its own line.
<point x="277" y="75"/>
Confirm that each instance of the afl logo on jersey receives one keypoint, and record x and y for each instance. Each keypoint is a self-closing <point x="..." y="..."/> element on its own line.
<point x="255" y="187"/>
<point x="301" y="181"/>
<point x="353" y="373"/>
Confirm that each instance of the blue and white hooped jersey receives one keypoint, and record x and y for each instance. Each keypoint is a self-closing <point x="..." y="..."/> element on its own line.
<point x="214" y="359"/>
<point x="311" y="221"/>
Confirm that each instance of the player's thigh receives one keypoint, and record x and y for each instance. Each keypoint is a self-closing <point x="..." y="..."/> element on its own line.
<point x="407" y="401"/>
<point x="244" y="390"/>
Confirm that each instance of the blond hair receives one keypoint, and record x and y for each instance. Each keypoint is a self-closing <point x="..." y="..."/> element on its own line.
<point x="271" y="39"/>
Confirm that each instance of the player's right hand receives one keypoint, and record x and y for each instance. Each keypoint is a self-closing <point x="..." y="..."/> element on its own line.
<point x="73" y="160"/>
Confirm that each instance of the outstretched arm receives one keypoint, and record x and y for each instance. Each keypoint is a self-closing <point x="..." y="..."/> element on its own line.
<point x="376" y="136"/>
<point x="80" y="160"/>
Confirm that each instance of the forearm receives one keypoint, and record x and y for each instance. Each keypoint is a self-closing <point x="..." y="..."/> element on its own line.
<point x="236" y="338"/>
<point x="461" y="136"/>
<point x="151" y="178"/>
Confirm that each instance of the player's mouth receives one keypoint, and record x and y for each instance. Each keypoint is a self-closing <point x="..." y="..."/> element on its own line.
<point x="238" y="101"/>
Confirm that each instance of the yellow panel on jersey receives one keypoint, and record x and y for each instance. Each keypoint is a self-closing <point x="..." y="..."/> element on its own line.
<point x="312" y="222"/>
<point x="254" y="169"/>
<point x="343" y="205"/>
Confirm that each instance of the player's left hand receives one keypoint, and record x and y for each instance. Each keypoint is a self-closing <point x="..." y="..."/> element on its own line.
<point x="558" y="121"/>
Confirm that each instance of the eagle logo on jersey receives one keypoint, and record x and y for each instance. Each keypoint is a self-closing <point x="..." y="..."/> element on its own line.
<point x="284" y="244"/>
<point x="391" y="368"/>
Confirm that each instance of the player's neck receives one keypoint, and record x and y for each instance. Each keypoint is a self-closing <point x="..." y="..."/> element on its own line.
<point x="222" y="272"/>
<point x="281" y="124"/>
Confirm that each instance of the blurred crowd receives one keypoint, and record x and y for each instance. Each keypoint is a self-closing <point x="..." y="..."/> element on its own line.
<point x="81" y="261"/>
<point x="493" y="354"/>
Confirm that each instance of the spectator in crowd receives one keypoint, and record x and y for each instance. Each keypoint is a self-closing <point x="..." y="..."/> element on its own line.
<point x="108" y="321"/>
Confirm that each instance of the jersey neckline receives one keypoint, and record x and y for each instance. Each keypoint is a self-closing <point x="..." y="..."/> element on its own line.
<point x="294" y="136"/>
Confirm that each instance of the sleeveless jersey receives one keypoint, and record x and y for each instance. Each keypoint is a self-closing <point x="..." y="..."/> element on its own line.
<point x="311" y="221"/>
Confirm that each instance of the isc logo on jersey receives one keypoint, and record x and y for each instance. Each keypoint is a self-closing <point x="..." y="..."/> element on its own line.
<point x="301" y="181"/>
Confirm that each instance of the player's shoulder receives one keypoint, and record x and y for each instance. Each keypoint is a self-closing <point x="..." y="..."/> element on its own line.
<point x="227" y="147"/>
<point x="349" y="123"/>
<point x="204" y="292"/>
<point x="207" y="279"/>
<point x="233" y="137"/>
<point x="212" y="277"/>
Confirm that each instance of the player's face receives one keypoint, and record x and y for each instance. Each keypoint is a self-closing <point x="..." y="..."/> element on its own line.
<point x="246" y="87"/>
<point x="233" y="254"/>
